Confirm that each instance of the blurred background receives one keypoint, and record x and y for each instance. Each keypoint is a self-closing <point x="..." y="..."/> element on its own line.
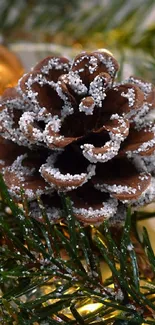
<point x="36" y="28"/>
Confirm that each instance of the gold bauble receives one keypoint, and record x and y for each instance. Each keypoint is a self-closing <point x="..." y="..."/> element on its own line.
<point x="11" y="69"/>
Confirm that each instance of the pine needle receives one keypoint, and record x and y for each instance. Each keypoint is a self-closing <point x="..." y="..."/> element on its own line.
<point x="51" y="274"/>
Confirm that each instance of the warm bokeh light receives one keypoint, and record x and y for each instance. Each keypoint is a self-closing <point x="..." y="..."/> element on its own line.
<point x="11" y="69"/>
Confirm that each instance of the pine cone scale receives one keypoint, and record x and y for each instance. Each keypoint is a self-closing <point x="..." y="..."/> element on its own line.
<point x="122" y="179"/>
<point x="140" y="142"/>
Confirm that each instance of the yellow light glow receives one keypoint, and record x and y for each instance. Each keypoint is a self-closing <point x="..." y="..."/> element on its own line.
<point x="105" y="51"/>
<point x="89" y="308"/>
<point x="150" y="226"/>
<point x="95" y="307"/>
<point x="11" y="69"/>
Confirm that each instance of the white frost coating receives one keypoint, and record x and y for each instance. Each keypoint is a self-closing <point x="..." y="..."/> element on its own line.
<point x="16" y="103"/>
<point x="139" y="116"/>
<point x="32" y="194"/>
<point x="118" y="189"/>
<point x="147" y="196"/>
<point x="78" y="87"/>
<point x="108" y="62"/>
<point x="119" y="296"/>
<point x="15" y="191"/>
<point x="56" y="64"/>
<point x="7" y="129"/>
<point x="2" y="162"/>
<point x="107" y="210"/>
<point x="93" y="64"/>
<point x="76" y="83"/>
<point x="149" y="161"/>
<point x="130" y="95"/>
<point x="146" y="87"/>
<point x="122" y="128"/>
<point x="27" y="120"/>
<point x="83" y="56"/>
<point x="112" y="148"/>
<point x="97" y="90"/>
<point x="31" y="95"/>
<point x="143" y="176"/>
<point x="20" y="170"/>
<point x="150" y="116"/>
<point x="139" y="163"/>
<point x="88" y="110"/>
<point x="67" y="108"/>
<point x="56" y="173"/>
<point x="54" y="123"/>
<point x="118" y="118"/>
<point x="145" y="145"/>
<point x="52" y="139"/>
<point x="6" y="121"/>
<point x="53" y="214"/>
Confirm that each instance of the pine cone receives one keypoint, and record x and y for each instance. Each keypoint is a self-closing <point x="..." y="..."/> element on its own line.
<point x="69" y="127"/>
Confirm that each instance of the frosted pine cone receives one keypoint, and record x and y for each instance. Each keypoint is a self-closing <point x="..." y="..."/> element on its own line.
<point x="68" y="127"/>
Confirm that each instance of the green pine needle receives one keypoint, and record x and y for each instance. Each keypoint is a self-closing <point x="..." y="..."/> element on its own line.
<point x="49" y="273"/>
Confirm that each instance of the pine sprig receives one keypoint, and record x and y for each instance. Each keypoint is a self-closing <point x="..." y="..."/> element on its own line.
<point x="51" y="274"/>
<point x="112" y="24"/>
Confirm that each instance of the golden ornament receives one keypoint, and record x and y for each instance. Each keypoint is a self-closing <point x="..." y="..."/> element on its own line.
<point x="11" y="69"/>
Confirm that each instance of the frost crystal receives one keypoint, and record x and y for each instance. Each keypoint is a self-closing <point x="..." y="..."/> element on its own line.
<point x="130" y="95"/>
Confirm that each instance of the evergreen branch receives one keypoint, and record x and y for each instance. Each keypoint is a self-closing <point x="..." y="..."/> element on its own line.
<point x="30" y="264"/>
<point x="67" y="208"/>
<point x="114" y="24"/>
<point x="150" y="252"/>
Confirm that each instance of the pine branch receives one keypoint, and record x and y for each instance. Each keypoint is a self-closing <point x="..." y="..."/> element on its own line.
<point x="113" y="24"/>
<point x="52" y="273"/>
